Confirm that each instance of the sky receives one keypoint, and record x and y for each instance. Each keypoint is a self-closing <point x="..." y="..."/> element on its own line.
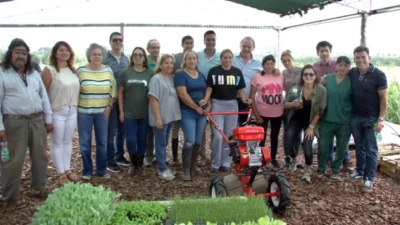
<point x="344" y="35"/>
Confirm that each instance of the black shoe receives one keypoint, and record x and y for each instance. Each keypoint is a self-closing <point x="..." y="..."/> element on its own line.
<point x="113" y="168"/>
<point x="276" y="164"/>
<point x="123" y="162"/>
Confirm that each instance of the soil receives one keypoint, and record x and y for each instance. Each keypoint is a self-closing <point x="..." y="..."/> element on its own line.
<point x="322" y="202"/>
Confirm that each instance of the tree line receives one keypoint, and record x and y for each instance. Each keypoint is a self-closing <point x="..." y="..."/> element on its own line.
<point x="386" y="60"/>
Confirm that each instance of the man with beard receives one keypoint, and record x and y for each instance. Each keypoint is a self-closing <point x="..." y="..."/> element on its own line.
<point x="26" y="112"/>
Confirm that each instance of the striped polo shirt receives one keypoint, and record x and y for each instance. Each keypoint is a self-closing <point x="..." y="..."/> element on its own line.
<point x="97" y="88"/>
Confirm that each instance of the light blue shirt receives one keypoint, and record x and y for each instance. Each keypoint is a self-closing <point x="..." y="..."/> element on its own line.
<point x="249" y="69"/>
<point x="205" y="64"/>
<point x="18" y="99"/>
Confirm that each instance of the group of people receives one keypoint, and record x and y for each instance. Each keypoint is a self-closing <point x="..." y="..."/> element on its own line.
<point x="142" y="98"/>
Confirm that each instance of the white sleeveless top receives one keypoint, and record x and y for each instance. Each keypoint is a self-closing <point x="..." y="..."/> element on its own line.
<point x="64" y="88"/>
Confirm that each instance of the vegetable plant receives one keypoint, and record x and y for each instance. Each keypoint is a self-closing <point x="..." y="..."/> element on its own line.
<point x="261" y="221"/>
<point x="140" y="213"/>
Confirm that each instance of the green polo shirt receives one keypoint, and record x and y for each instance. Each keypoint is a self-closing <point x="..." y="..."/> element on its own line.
<point x="152" y="65"/>
<point x="338" y="106"/>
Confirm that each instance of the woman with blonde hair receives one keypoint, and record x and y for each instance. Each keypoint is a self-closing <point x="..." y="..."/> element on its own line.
<point x="291" y="76"/>
<point x="163" y="111"/>
<point x="62" y="85"/>
<point x="224" y="82"/>
<point x="191" y="86"/>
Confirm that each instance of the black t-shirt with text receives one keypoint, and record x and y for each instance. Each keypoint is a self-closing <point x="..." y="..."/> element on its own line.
<point x="225" y="83"/>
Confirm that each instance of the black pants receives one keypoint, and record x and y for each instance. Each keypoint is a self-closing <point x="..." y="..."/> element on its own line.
<point x="242" y="107"/>
<point x="291" y="134"/>
<point x="296" y="146"/>
<point x="274" y="134"/>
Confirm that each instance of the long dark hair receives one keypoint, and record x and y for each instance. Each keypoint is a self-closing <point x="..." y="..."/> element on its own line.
<point x="145" y="62"/>
<point x="308" y="66"/>
<point x="53" y="60"/>
<point x="6" y="62"/>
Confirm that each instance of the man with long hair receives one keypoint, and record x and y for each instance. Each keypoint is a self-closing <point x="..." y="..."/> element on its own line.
<point x="25" y="120"/>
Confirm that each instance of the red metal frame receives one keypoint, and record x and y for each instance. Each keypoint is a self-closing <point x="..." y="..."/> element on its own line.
<point x="248" y="190"/>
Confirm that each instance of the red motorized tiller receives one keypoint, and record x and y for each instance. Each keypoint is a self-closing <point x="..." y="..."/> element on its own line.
<point x="249" y="161"/>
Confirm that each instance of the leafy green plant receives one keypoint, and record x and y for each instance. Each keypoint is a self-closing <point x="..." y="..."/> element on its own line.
<point x="76" y="204"/>
<point x="140" y="212"/>
<point x="393" y="109"/>
<point x="261" y="221"/>
<point x="220" y="210"/>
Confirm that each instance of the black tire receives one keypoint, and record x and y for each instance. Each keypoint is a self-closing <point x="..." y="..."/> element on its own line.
<point x="281" y="203"/>
<point x="217" y="188"/>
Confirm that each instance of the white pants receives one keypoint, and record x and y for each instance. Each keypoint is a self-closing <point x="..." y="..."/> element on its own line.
<point x="64" y="123"/>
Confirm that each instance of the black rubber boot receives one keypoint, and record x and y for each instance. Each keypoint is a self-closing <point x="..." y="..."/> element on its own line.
<point x="133" y="169"/>
<point x="186" y="163"/>
<point x="139" y="166"/>
<point x="195" y="154"/>
<point x="175" y="143"/>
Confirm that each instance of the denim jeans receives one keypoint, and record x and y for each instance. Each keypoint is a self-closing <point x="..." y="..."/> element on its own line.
<point x="291" y="134"/>
<point x="85" y="126"/>
<point x="363" y="132"/>
<point x="116" y="131"/>
<point x="193" y="126"/>
<point x="161" y="142"/>
<point x="136" y="135"/>
<point x="332" y="150"/>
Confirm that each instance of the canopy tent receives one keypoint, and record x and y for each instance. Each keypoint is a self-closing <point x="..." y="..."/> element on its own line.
<point x="285" y="7"/>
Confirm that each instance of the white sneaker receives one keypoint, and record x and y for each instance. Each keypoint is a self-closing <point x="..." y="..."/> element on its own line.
<point x="307" y="176"/>
<point x="166" y="175"/>
<point x="293" y="165"/>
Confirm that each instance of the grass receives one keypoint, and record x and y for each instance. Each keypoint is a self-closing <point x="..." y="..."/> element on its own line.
<point x="393" y="109"/>
<point x="220" y="210"/>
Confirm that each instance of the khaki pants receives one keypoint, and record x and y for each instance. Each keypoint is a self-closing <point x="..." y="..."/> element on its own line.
<point x="23" y="134"/>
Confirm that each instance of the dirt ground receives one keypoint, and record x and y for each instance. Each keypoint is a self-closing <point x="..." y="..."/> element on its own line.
<point x="319" y="203"/>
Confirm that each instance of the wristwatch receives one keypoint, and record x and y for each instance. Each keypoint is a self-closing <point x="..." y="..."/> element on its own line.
<point x="381" y="118"/>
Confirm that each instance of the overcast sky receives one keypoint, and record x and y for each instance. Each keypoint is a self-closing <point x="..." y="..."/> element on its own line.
<point x="343" y="35"/>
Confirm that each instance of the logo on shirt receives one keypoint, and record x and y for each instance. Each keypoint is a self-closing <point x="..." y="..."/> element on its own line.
<point x="144" y="82"/>
<point x="272" y="94"/>
<point x="225" y="80"/>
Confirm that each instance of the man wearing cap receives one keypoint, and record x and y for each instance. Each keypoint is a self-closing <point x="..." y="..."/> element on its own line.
<point x="25" y="120"/>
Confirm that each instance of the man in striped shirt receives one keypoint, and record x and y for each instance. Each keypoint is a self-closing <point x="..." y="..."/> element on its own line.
<point x="117" y="61"/>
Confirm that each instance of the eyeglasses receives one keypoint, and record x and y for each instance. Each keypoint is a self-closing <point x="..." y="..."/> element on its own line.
<point x="137" y="55"/>
<point x="308" y="74"/>
<point x="115" y="40"/>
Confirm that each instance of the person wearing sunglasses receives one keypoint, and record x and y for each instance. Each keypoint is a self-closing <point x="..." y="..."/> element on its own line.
<point x="306" y="104"/>
<point x="117" y="61"/>
<point x="134" y="107"/>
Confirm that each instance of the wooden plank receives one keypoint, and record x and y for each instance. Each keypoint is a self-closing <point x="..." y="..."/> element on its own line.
<point x="391" y="157"/>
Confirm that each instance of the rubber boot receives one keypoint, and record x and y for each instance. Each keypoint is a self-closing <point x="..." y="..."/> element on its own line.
<point x="186" y="163"/>
<point x="195" y="154"/>
<point x="139" y="164"/>
<point x="133" y="169"/>
<point x="175" y="143"/>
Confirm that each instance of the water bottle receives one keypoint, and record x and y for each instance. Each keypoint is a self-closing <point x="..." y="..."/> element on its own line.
<point x="5" y="155"/>
<point x="378" y="136"/>
<point x="294" y="94"/>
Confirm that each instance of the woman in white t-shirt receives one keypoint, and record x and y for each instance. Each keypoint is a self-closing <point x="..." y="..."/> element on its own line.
<point x="62" y="85"/>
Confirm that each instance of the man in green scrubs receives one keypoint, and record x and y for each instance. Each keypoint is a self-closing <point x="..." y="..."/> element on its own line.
<point x="336" y="119"/>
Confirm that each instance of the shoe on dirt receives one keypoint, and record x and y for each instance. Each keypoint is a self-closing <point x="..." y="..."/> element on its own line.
<point x="276" y="164"/>
<point x="335" y="176"/>
<point x="113" y="168"/>
<point x="166" y="175"/>
<point x="320" y="174"/>
<point x="123" y="162"/>
<point x="307" y="176"/>
<point x="367" y="186"/>
<point x="355" y="176"/>
<point x="147" y="162"/>
<point x="293" y="165"/>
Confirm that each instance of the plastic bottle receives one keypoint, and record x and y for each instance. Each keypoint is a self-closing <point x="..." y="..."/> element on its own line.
<point x="378" y="136"/>
<point x="5" y="155"/>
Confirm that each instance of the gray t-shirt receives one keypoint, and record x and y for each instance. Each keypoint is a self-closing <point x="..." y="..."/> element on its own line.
<point x="164" y="91"/>
<point x="178" y="61"/>
<point x="291" y="78"/>
<point x="136" y="103"/>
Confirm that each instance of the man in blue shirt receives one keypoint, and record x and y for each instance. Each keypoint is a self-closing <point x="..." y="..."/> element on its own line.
<point x="369" y="87"/>
<point x="117" y="61"/>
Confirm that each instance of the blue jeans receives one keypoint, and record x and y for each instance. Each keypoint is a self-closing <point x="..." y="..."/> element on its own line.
<point x="136" y="135"/>
<point x="332" y="150"/>
<point x="85" y="126"/>
<point x="161" y="142"/>
<point x="363" y="132"/>
<point x="116" y="131"/>
<point x="193" y="126"/>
